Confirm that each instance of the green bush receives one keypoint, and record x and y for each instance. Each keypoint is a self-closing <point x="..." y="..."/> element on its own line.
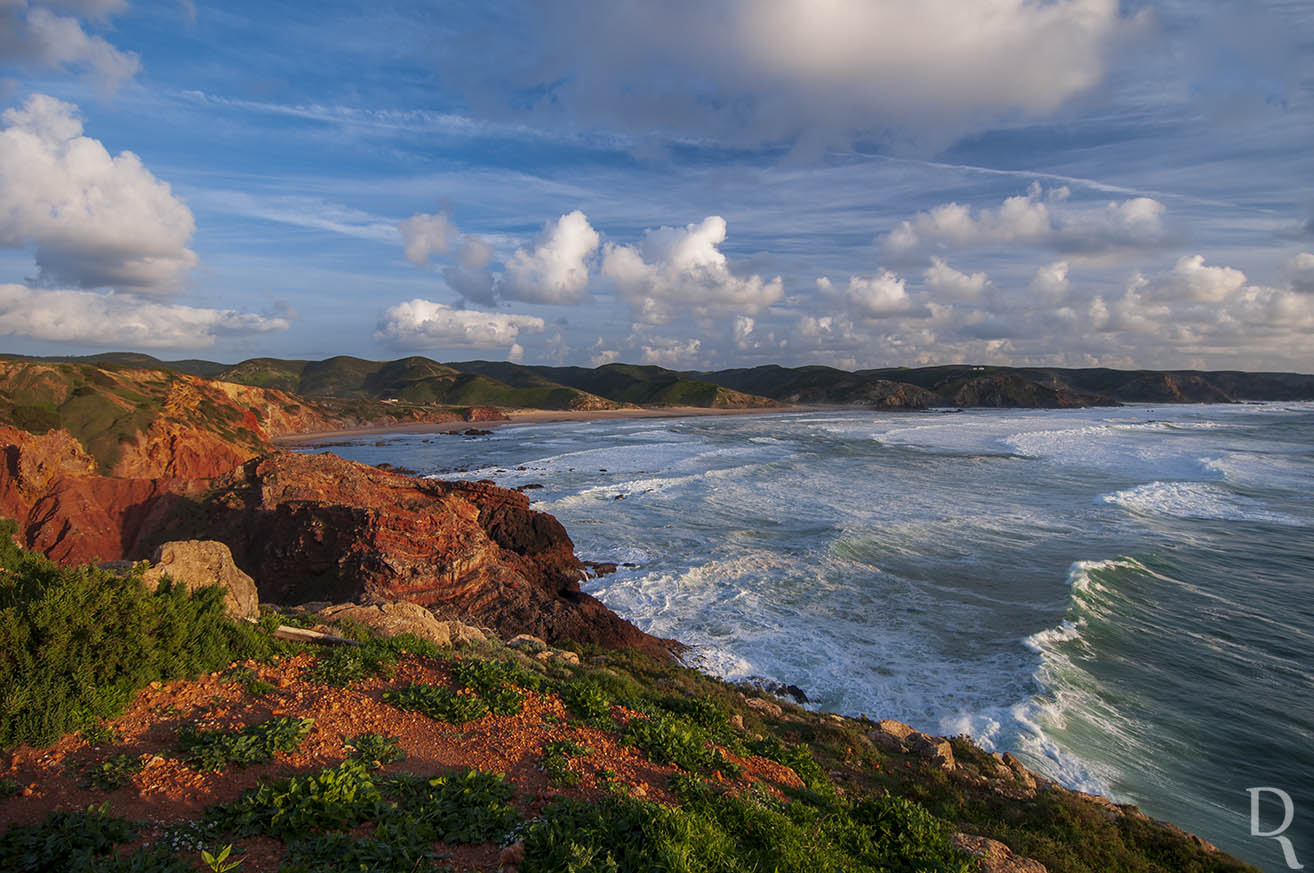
<point x="75" y="644"/>
<point x="80" y="842"/>
<point x="339" y="797"/>
<point x="586" y="699"/>
<point x="344" y="665"/>
<point x="438" y="702"/>
<point x="253" y="744"/>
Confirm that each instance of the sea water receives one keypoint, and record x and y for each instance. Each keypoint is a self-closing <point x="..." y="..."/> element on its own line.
<point x="1123" y="597"/>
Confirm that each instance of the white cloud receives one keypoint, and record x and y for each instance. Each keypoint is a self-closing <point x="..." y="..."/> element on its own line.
<point x="949" y="284"/>
<point x="1038" y="218"/>
<point x="672" y="353"/>
<point x="880" y="296"/>
<point x="37" y="38"/>
<point x="1050" y="284"/>
<point x="121" y="320"/>
<point x="1300" y="272"/>
<point x="1190" y="279"/>
<point x="684" y="266"/>
<point x="423" y="324"/>
<point x="93" y="220"/>
<point x="748" y="71"/>
<point x="425" y="235"/>
<point x="557" y="270"/>
<point x="604" y="357"/>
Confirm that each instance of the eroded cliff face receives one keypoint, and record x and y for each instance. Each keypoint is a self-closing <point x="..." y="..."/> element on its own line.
<point x="317" y="527"/>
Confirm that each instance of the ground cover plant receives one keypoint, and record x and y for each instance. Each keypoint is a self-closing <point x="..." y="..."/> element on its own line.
<point x="253" y="744"/>
<point x="342" y="665"/>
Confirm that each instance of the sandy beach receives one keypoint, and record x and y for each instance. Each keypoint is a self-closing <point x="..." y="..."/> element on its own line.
<point x="525" y="416"/>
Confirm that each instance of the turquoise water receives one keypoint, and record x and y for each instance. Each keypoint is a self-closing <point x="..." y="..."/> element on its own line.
<point x="1122" y="597"/>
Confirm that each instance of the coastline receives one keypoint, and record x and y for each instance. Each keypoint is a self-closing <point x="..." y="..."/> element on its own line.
<point x="533" y="416"/>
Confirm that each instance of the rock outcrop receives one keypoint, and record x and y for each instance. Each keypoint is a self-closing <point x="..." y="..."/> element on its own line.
<point x="198" y="563"/>
<point x="995" y="857"/>
<point x="395" y="618"/>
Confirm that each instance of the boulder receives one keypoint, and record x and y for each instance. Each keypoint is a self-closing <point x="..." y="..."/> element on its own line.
<point x="198" y="563"/>
<point x="764" y="706"/>
<point x="395" y="618"/>
<point x="531" y="645"/>
<point x="994" y="856"/>
<point x="937" y="750"/>
<point x="890" y="734"/>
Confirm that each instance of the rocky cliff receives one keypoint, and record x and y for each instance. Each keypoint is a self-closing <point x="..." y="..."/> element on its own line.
<point x="317" y="527"/>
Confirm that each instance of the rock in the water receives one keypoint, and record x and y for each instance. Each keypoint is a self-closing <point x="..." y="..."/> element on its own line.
<point x="995" y="857"/>
<point x="198" y="563"/>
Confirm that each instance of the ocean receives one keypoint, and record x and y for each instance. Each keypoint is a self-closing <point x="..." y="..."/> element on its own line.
<point x="1122" y="597"/>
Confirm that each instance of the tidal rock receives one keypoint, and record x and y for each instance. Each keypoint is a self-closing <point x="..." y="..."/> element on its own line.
<point x="198" y="563"/>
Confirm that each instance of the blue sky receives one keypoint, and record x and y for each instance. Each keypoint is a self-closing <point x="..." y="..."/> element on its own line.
<point x="695" y="184"/>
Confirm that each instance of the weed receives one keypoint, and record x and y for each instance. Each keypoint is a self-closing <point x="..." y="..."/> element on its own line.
<point x="100" y="734"/>
<point x="556" y="761"/>
<point x="8" y="787"/>
<point x="250" y="682"/>
<point x="340" y="797"/>
<point x="438" y="702"/>
<point x="667" y="740"/>
<point x="797" y="758"/>
<point x="114" y="772"/>
<point x="343" y="853"/>
<point x="344" y="665"/>
<point x="462" y="806"/>
<point x="254" y="744"/>
<point x="64" y="841"/>
<point x="219" y="863"/>
<point x="376" y="749"/>
<point x="587" y="700"/>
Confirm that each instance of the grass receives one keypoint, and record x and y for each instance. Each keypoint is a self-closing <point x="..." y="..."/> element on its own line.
<point x="254" y="744"/>
<point x="76" y="643"/>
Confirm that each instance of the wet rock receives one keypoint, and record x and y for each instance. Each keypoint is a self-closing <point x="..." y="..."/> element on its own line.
<point x="777" y="689"/>
<point x="598" y="569"/>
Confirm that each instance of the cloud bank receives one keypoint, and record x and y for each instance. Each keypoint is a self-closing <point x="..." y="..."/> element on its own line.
<point x="423" y="324"/>
<point x="94" y="220"/>
<point x="34" y="37"/>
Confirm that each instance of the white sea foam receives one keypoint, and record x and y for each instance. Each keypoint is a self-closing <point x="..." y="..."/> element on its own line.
<point x="1200" y="500"/>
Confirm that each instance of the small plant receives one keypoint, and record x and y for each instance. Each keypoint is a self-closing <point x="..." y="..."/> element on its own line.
<point x="251" y="683"/>
<point x="375" y="750"/>
<point x="347" y="664"/>
<point x="438" y="702"/>
<point x="339" y="797"/>
<point x="556" y="761"/>
<point x="586" y="699"/>
<point x="100" y="734"/>
<point x="114" y="772"/>
<point x="461" y="806"/>
<point x="219" y="863"/>
<point x="9" y="787"/>
<point x="64" y="841"/>
<point x="667" y="740"/>
<point x="254" y="744"/>
<point x="344" y="853"/>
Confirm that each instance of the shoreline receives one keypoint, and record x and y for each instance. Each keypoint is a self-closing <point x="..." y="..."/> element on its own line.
<point x="533" y="416"/>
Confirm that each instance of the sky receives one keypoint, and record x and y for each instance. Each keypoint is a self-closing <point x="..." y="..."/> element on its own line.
<point x="699" y="184"/>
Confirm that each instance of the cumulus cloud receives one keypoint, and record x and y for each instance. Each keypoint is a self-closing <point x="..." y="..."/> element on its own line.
<point x="684" y="267"/>
<point x="1300" y="272"/>
<point x="92" y="219"/>
<point x="425" y="235"/>
<point x="121" y="320"/>
<point x="880" y="296"/>
<point x="1190" y="279"/>
<point x="946" y="283"/>
<point x="1050" y="284"/>
<point x="751" y="72"/>
<point x="1039" y="218"/>
<point x="557" y="269"/>
<point x="423" y="324"/>
<point x="36" y="38"/>
<point x="671" y="353"/>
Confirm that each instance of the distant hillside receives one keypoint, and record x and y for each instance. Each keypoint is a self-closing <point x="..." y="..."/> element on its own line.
<point x="627" y="384"/>
<point x="977" y="386"/>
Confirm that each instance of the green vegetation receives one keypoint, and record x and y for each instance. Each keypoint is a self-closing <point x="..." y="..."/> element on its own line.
<point x="76" y="643"/>
<point x="438" y="702"/>
<point x="344" y="665"/>
<point x="668" y="740"/>
<point x="114" y="772"/>
<point x="250" y="683"/>
<point x="375" y="750"/>
<point x="82" y="842"/>
<point x="253" y="744"/>
<point x="557" y="756"/>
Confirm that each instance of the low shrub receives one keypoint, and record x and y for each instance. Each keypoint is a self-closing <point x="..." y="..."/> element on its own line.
<point x="667" y="740"/>
<point x="586" y="699"/>
<point x="76" y="643"/>
<point x="375" y="750"/>
<point x="253" y="744"/>
<point x="461" y="806"/>
<point x="345" y="664"/>
<point x="65" y="842"/>
<point x="556" y="761"/>
<point x="332" y="799"/>
<point x="438" y="702"/>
